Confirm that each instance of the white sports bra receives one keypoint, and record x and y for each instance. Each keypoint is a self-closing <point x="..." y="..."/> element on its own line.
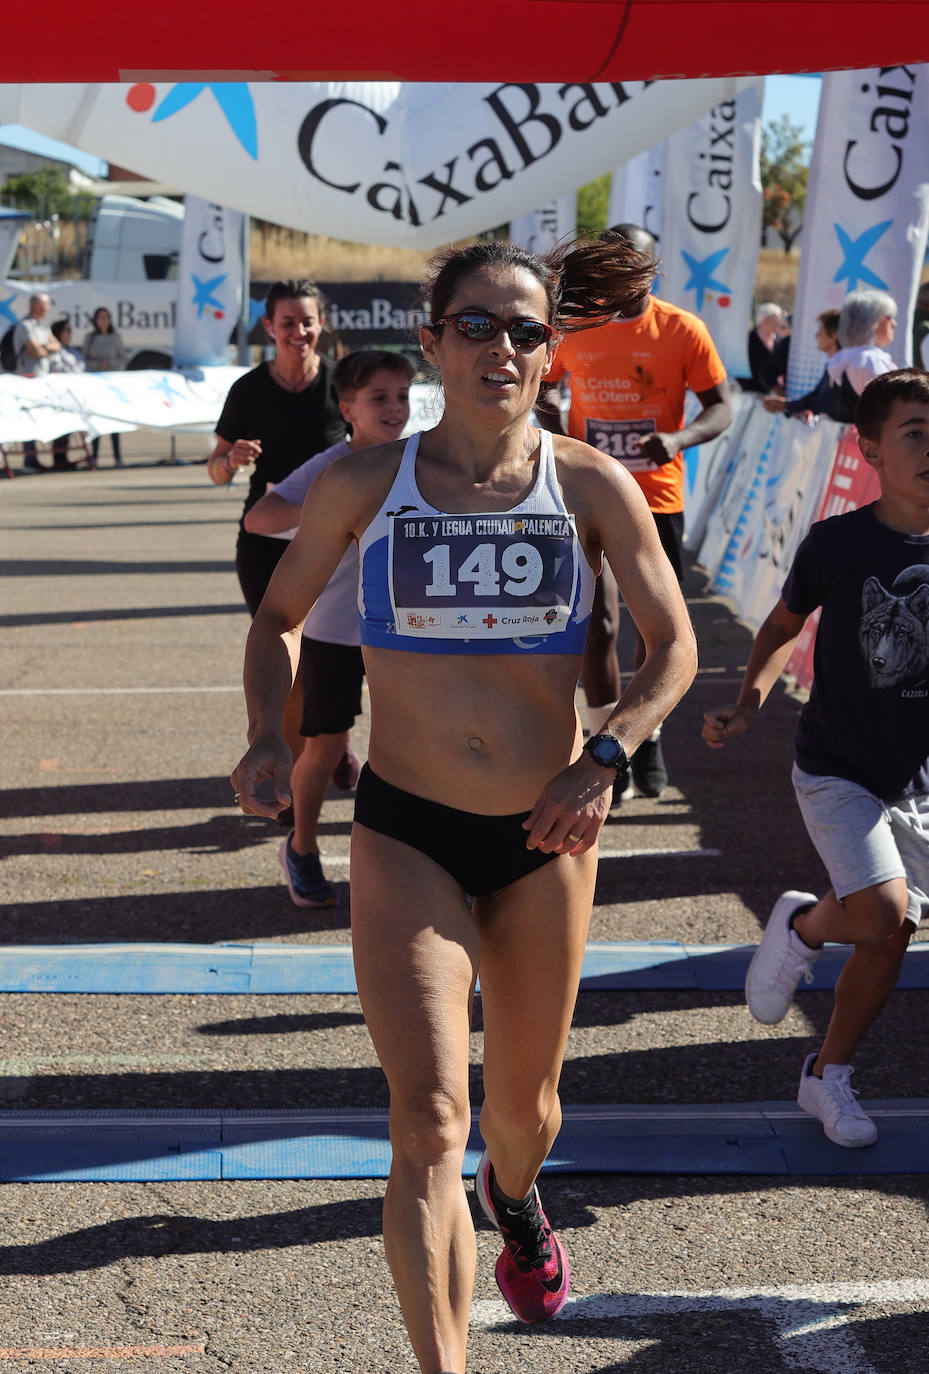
<point x="465" y="582"/>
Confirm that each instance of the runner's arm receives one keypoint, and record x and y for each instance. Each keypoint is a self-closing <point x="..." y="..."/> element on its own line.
<point x="770" y="654"/>
<point x="272" y="514"/>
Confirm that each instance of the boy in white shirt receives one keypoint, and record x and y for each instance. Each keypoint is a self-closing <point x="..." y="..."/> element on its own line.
<point x="373" y="388"/>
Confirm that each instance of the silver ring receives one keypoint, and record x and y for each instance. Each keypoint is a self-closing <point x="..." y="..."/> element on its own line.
<point x="576" y="838"/>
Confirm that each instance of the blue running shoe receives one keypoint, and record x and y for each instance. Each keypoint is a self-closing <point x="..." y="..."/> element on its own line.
<point x="304" y="874"/>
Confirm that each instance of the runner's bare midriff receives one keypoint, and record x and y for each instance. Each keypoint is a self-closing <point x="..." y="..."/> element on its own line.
<point x="482" y="733"/>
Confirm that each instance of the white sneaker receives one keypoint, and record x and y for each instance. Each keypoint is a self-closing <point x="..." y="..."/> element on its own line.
<point x="832" y="1099"/>
<point x="779" y="962"/>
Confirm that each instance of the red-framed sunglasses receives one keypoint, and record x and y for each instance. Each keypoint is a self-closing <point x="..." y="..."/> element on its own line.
<point x="480" y="327"/>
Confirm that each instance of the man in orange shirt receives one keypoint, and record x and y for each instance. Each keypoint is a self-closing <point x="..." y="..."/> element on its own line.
<point x="629" y="380"/>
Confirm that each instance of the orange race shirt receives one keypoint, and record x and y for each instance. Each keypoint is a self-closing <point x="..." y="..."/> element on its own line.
<point x="629" y="379"/>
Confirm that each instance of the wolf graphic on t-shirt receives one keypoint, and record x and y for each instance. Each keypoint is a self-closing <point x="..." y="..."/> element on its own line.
<point x="894" y="630"/>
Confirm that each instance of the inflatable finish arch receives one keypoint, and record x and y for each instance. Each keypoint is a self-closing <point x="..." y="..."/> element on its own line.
<point x="481" y="40"/>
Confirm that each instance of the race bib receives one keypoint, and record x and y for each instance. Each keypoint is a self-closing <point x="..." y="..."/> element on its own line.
<point x="482" y="576"/>
<point x="621" y="439"/>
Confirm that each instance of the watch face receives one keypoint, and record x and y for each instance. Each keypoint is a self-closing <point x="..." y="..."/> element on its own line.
<point x="606" y="750"/>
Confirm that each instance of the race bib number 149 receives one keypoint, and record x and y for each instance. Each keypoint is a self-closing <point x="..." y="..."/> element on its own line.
<point x="482" y="576"/>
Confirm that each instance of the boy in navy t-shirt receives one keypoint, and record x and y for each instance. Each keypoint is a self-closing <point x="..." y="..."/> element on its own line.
<point x="861" y="771"/>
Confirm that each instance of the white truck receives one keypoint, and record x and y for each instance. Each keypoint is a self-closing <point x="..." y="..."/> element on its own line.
<point x="130" y="266"/>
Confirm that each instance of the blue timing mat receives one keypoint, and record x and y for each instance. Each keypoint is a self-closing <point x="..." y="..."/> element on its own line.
<point x="773" y="1138"/>
<point x="283" y="969"/>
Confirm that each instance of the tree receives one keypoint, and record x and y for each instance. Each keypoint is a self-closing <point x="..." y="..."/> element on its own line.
<point x="593" y="204"/>
<point x="44" y="192"/>
<point x="784" y="174"/>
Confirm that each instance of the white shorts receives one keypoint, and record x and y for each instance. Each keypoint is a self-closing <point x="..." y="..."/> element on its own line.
<point x="864" y="841"/>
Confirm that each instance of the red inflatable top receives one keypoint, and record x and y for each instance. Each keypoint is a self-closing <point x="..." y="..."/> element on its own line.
<point x="523" y="40"/>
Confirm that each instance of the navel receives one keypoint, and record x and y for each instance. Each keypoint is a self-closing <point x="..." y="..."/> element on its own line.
<point x="475" y="742"/>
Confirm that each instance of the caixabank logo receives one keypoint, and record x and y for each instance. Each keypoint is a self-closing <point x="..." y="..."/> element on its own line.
<point x="233" y="98"/>
<point x="527" y="123"/>
<point x="875" y="167"/>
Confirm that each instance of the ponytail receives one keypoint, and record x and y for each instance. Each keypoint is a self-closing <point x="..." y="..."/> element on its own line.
<point x="600" y="280"/>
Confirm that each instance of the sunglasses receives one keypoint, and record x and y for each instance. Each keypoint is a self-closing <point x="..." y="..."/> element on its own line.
<point x="480" y="327"/>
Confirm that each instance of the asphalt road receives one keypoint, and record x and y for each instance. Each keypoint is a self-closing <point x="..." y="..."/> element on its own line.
<point x="121" y="658"/>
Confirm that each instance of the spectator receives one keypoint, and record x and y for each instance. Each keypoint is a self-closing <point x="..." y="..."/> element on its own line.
<point x="104" y="351"/>
<point x="67" y="359"/>
<point x="766" y="362"/>
<point x="866" y="328"/>
<point x="819" y="400"/>
<point x="34" y="345"/>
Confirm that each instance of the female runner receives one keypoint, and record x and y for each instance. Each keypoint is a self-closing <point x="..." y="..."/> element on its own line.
<point x="479" y="543"/>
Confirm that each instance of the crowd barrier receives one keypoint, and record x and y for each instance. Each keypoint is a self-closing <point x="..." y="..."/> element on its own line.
<point x="752" y="494"/>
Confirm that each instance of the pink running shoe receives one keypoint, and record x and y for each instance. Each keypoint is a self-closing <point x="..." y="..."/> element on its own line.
<point x="532" y="1272"/>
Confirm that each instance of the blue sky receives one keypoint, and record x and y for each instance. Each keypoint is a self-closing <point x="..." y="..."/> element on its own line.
<point x="797" y="96"/>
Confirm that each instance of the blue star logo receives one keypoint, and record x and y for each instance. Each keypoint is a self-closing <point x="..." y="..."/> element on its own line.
<point x="701" y="275"/>
<point x="856" y="250"/>
<point x="118" y="392"/>
<point x="6" y="310"/>
<point x="233" y="98"/>
<point x="256" y="310"/>
<point x="203" y="294"/>
<point x="164" y="385"/>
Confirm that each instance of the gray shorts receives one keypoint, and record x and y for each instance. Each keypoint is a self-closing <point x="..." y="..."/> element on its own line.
<point x="864" y="841"/>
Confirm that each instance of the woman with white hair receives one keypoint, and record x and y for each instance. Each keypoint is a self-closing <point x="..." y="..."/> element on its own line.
<point x="866" y="330"/>
<point x="771" y="327"/>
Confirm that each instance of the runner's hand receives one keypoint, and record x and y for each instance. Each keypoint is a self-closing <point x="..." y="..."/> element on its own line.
<point x="725" y="722"/>
<point x="575" y="803"/>
<point x="243" y="452"/>
<point x="659" y="448"/>
<point x="267" y="758"/>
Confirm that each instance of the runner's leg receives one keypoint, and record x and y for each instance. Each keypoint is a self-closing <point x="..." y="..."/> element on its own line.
<point x="416" y="949"/>
<point x="533" y="935"/>
<point x="309" y="779"/>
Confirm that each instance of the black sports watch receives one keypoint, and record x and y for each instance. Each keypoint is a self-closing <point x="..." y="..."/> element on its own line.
<point x="608" y="752"/>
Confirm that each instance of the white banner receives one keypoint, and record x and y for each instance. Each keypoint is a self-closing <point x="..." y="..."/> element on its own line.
<point x="777" y="469"/>
<point x="41" y="408"/>
<point x="707" y="468"/>
<point x="867" y="206"/>
<point x="369" y="161"/>
<point x="542" y="229"/>
<point x="209" y="283"/>
<point x="636" y="192"/>
<point x="711" y="221"/>
<point x="142" y="311"/>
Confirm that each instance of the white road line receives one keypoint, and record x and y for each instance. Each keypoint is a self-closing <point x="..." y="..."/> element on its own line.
<point x="809" y="1323"/>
